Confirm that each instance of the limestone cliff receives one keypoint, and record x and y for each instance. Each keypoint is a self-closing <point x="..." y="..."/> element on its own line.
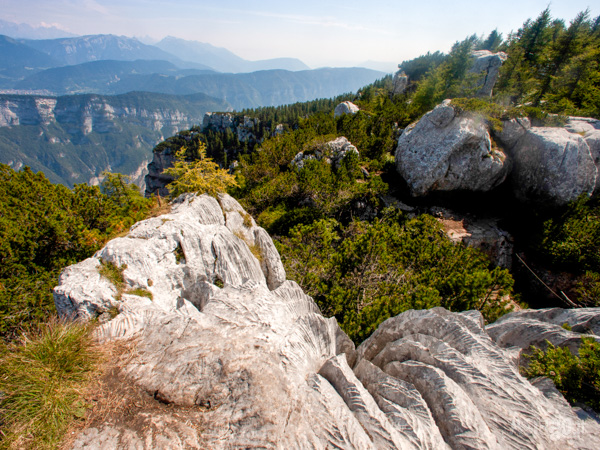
<point x="245" y="359"/>
<point x="73" y="139"/>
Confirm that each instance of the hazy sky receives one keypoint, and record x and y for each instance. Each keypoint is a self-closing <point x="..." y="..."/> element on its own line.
<point x="319" y="32"/>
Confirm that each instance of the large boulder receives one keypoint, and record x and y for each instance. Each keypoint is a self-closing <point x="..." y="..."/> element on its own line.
<point x="552" y="166"/>
<point x="345" y="108"/>
<point x="447" y="151"/>
<point x="225" y="356"/>
<point x="487" y="64"/>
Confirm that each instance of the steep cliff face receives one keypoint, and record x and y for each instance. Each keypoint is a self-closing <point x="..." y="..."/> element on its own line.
<point x="73" y="139"/>
<point x="244" y="358"/>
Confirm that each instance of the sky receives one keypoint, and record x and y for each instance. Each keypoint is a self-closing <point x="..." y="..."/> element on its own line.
<point x="319" y="32"/>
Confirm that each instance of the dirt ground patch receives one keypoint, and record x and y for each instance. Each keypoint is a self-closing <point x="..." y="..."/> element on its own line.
<point x="114" y="401"/>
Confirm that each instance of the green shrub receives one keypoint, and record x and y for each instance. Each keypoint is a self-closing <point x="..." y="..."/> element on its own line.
<point x="577" y="377"/>
<point x="365" y="272"/>
<point x="42" y="378"/>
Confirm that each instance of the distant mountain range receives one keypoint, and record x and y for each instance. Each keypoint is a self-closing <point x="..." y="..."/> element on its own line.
<point x="133" y="95"/>
<point x="25" y="31"/>
<point x="222" y="59"/>
<point x="242" y="90"/>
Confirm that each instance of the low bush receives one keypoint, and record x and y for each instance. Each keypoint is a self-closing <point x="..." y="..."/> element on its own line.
<point x="576" y="376"/>
<point x="43" y="377"/>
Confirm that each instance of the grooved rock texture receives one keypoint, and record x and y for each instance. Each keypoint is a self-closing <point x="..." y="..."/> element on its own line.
<point x="522" y="329"/>
<point x="445" y="151"/>
<point x="244" y="359"/>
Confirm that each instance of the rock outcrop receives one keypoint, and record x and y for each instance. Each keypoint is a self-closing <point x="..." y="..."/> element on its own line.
<point x="561" y="327"/>
<point x="400" y="82"/>
<point x="450" y="151"/>
<point x="243" y="127"/>
<point x="333" y="152"/>
<point x="488" y="65"/>
<point x="345" y="108"/>
<point x="445" y="151"/>
<point x="244" y="358"/>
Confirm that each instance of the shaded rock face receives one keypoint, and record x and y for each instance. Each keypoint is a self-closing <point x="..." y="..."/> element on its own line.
<point x="400" y="82"/>
<point x="488" y="65"/>
<point x="445" y="151"/>
<point x="156" y="181"/>
<point x="550" y="164"/>
<point x="345" y="108"/>
<point x="482" y="234"/>
<point x="255" y="364"/>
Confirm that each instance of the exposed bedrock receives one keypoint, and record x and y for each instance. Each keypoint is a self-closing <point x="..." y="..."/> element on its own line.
<point x="251" y="362"/>
<point x="447" y="150"/>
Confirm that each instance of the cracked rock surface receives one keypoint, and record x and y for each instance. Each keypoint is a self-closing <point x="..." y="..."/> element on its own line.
<point x="253" y="363"/>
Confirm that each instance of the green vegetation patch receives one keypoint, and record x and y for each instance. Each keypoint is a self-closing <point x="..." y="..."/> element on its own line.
<point x="576" y="376"/>
<point x="366" y="272"/>
<point x="42" y="380"/>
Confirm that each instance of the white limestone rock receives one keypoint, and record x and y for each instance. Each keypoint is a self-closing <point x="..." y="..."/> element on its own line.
<point x="445" y="151"/>
<point x="244" y="363"/>
<point x="345" y="108"/>
<point x="474" y="392"/>
<point x="523" y="329"/>
<point x="552" y="165"/>
<point x="333" y="152"/>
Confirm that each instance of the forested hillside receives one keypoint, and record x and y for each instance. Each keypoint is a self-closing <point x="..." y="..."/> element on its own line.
<point x="362" y="262"/>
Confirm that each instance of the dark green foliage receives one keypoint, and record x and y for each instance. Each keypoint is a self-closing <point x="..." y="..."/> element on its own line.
<point x="554" y="65"/>
<point x="572" y="240"/>
<point x="448" y="80"/>
<point x="45" y="227"/>
<point x="417" y="68"/>
<point x="365" y="272"/>
<point x="577" y="377"/>
<point x="492" y="42"/>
